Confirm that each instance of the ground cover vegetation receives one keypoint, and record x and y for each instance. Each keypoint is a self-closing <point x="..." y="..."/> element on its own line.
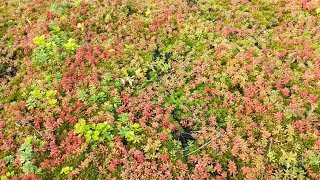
<point x="175" y="89"/>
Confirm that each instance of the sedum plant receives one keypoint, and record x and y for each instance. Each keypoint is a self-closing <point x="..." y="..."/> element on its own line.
<point x="94" y="133"/>
<point x="183" y="89"/>
<point x="26" y="154"/>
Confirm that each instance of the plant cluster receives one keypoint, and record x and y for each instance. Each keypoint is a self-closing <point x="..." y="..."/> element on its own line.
<point x="26" y="155"/>
<point x="183" y="89"/>
<point x="96" y="133"/>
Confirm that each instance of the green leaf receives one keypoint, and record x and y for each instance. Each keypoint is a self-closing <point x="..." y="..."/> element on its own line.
<point x="168" y="48"/>
<point x="40" y="55"/>
<point x="81" y="127"/>
<point x="25" y="156"/>
<point x="40" y="40"/>
<point x="71" y="45"/>
<point x="10" y="174"/>
<point x="109" y="128"/>
<point x="57" y="9"/>
<point x="108" y="136"/>
<point x="82" y="95"/>
<point x="54" y="27"/>
<point x="48" y="78"/>
<point x="51" y="93"/>
<point x="29" y="139"/>
<point x="136" y="127"/>
<point x="123" y="118"/>
<point x="127" y="46"/>
<point x="8" y="159"/>
<point x="129" y="135"/>
<point x="125" y="73"/>
<point x="28" y="167"/>
<point x="88" y="136"/>
<point x="42" y="143"/>
<point x="123" y="131"/>
<point x="101" y="126"/>
<point x="95" y="135"/>
<point x="53" y="102"/>
<point x="36" y="92"/>
<point x="76" y="3"/>
<point x="271" y="156"/>
<point x="288" y="158"/>
<point x="66" y="170"/>
<point x="38" y="171"/>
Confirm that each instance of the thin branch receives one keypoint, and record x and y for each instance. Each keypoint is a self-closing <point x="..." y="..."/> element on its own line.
<point x="200" y="147"/>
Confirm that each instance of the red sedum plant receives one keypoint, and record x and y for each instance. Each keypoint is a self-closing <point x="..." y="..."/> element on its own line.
<point x="186" y="89"/>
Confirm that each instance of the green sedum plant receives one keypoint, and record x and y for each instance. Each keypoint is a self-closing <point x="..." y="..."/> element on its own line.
<point x="66" y="170"/>
<point x="130" y="133"/>
<point x="38" y="96"/>
<point x="26" y="155"/>
<point x="159" y="89"/>
<point x="94" y="133"/>
<point x="71" y="45"/>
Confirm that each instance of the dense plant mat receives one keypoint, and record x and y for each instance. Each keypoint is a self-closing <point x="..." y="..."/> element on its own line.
<point x="132" y="89"/>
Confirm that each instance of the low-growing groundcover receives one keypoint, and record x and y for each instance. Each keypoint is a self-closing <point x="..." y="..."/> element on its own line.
<point x="175" y="89"/>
